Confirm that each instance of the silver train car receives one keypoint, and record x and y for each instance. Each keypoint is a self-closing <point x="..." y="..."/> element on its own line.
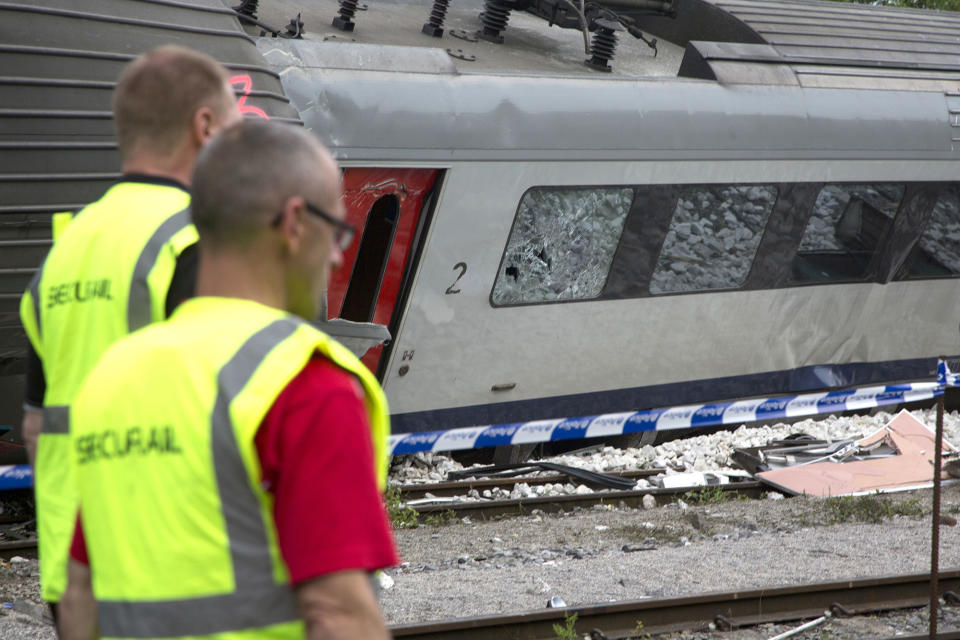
<point x="724" y="198"/>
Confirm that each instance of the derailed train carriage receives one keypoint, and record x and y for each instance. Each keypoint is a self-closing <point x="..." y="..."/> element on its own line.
<point x="723" y="198"/>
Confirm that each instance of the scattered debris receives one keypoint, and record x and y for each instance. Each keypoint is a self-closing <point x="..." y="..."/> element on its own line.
<point x="691" y="479"/>
<point x="385" y="580"/>
<point x="516" y="469"/>
<point x="896" y="457"/>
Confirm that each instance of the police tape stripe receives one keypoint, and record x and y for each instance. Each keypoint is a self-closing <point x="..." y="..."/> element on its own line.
<point x="707" y="415"/>
<point x="683" y="417"/>
<point x="18" y="476"/>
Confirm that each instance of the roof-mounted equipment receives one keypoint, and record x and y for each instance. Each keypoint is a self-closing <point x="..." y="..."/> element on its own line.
<point x="604" y="44"/>
<point x="344" y="19"/>
<point x="434" y="27"/>
<point x="246" y="12"/>
<point x="494" y="17"/>
<point x="583" y="15"/>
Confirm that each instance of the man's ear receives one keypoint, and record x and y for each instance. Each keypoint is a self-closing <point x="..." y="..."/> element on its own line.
<point x="291" y="223"/>
<point x="203" y="126"/>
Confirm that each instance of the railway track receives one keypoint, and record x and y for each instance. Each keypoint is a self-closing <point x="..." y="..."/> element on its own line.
<point x="443" y="502"/>
<point x="17" y="521"/>
<point x="725" y="611"/>
<point x="461" y="487"/>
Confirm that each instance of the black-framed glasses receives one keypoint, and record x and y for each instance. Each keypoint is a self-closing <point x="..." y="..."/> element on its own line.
<point x="343" y="233"/>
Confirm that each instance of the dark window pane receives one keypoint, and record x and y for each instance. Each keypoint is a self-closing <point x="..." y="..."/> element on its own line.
<point x="713" y="237"/>
<point x="845" y="230"/>
<point x="938" y="251"/>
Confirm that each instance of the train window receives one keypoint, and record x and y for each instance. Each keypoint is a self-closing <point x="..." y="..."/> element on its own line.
<point x="938" y="251"/>
<point x="561" y="244"/>
<point x="713" y="237"/>
<point x="848" y="225"/>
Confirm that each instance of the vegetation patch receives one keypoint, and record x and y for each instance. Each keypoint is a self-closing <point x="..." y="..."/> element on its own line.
<point x="567" y="630"/>
<point x="712" y="495"/>
<point x="870" y="509"/>
<point x="402" y="515"/>
<point x="440" y="518"/>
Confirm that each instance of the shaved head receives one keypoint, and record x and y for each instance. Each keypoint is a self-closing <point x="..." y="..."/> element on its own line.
<point x="158" y="94"/>
<point x="245" y="175"/>
<point x="266" y="201"/>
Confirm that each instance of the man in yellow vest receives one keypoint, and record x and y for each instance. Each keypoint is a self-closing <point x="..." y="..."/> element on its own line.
<point x="230" y="460"/>
<point x="122" y="263"/>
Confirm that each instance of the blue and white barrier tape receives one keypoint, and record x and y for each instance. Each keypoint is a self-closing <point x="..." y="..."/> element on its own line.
<point x="945" y="377"/>
<point x="700" y="415"/>
<point x="18" y="476"/>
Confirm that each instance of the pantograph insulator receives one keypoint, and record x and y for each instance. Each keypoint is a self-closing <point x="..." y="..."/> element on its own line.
<point x="603" y="46"/>
<point x="344" y="20"/>
<point x="437" y="14"/>
<point x="494" y="18"/>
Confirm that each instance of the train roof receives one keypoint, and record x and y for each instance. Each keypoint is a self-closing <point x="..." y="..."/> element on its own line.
<point x="791" y="42"/>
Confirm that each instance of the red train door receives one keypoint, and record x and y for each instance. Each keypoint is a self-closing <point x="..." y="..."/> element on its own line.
<point x="385" y="206"/>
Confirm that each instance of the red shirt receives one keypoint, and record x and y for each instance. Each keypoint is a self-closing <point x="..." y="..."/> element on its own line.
<point x="317" y="460"/>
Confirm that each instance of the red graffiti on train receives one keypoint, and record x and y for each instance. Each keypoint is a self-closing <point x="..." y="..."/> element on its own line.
<point x="245" y="84"/>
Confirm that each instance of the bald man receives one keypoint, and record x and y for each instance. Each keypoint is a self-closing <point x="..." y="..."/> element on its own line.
<point x="230" y="461"/>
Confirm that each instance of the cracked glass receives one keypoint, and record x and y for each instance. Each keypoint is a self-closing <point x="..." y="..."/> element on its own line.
<point x="561" y="245"/>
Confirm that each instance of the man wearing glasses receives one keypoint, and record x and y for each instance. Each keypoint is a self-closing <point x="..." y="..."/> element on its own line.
<point x="236" y="430"/>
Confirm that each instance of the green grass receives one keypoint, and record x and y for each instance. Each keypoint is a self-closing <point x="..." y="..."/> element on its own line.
<point x="440" y="518"/>
<point x="870" y="508"/>
<point x="711" y="495"/>
<point x="567" y="630"/>
<point x="638" y="632"/>
<point x="402" y="515"/>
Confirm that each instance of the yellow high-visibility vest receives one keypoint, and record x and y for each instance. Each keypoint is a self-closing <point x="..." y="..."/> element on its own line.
<point x="107" y="274"/>
<point x="179" y="532"/>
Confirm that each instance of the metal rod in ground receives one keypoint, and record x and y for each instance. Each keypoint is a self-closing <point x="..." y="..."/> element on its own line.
<point x="935" y="532"/>
<point x="803" y="627"/>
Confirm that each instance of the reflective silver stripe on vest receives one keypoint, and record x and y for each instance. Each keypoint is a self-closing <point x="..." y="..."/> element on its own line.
<point x="138" y="304"/>
<point x="257" y="600"/>
<point x="56" y="419"/>
<point x="34" y="289"/>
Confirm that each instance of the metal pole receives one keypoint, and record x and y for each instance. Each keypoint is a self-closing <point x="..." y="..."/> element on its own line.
<point x="935" y="533"/>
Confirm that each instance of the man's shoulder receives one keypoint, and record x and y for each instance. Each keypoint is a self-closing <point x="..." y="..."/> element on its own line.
<point x="129" y="197"/>
<point x="157" y="338"/>
<point x="321" y="378"/>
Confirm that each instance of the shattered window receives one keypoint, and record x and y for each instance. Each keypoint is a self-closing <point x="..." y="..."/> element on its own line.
<point x="847" y="226"/>
<point x="561" y="245"/>
<point x="938" y="251"/>
<point x="713" y="236"/>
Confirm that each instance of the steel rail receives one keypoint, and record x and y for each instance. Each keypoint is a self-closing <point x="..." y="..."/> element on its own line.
<point x="461" y="487"/>
<point x="26" y="543"/>
<point x="730" y="610"/>
<point x="486" y="510"/>
<point x="941" y="635"/>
